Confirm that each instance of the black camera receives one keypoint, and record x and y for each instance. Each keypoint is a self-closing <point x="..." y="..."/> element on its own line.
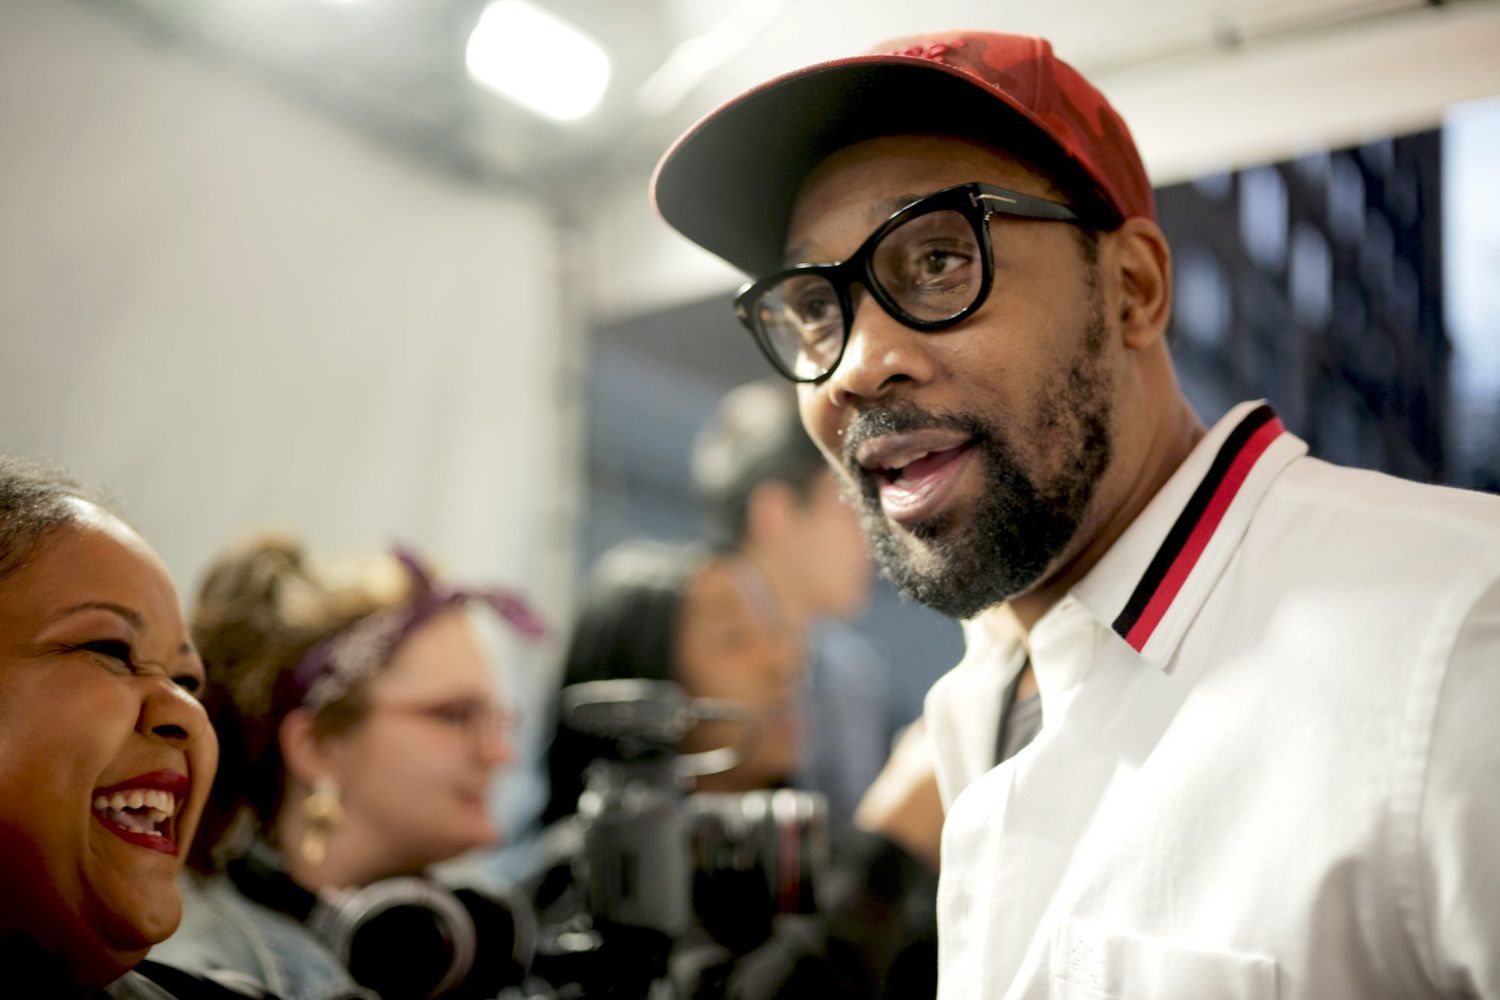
<point x="655" y="868"/>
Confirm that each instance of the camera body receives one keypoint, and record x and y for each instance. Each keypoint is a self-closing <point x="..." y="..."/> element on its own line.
<point x="657" y="865"/>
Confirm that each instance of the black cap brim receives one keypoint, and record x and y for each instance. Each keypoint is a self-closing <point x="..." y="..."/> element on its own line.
<point x="728" y="184"/>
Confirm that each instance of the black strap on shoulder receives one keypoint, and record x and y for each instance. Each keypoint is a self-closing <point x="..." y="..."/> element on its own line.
<point x="182" y="985"/>
<point x="261" y="876"/>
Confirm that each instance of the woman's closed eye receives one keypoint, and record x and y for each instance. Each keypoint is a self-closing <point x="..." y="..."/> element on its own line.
<point x="121" y="651"/>
<point x="113" y="649"/>
<point x="188" y="681"/>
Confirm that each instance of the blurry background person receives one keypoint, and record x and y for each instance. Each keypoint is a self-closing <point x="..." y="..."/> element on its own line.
<point x="677" y="612"/>
<point x="105" y="755"/>
<point x="360" y="726"/>
<point x="769" y="497"/>
<point x="669" y="612"/>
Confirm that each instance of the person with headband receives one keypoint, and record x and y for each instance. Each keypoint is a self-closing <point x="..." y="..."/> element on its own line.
<point x="106" y="755"/>
<point x="1225" y="723"/>
<point x="360" y="728"/>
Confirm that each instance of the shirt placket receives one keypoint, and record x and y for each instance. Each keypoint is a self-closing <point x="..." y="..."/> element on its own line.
<point x="1036" y="806"/>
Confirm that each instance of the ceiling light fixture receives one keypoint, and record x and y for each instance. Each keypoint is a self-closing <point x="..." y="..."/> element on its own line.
<point x="538" y="60"/>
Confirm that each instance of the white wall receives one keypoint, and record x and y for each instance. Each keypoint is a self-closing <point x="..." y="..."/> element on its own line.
<point x="232" y="312"/>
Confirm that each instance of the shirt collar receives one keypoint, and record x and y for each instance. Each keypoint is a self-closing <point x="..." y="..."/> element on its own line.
<point x="1151" y="583"/>
<point x="1149" y="586"/>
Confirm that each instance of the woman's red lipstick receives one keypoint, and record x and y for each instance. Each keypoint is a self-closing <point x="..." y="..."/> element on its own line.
<point x="173" y="783"/>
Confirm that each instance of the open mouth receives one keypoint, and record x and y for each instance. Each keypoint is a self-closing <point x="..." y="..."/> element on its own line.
<point x="915" y="479"/>
<point x="143" y="811"/>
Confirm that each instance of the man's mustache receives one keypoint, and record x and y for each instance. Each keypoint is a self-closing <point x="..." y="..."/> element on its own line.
<point x="899" y="418"/>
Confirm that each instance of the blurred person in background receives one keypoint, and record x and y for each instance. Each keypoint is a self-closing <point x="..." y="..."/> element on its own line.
<point x="360" y="725"/>
<point x="106" y="756"/>
<point x="666" y="612"/>
<point x="771" y="498"/>
<point x="707" y="621"/>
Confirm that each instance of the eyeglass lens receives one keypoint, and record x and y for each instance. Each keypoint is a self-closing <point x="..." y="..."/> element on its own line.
<point x="929" y="268"/>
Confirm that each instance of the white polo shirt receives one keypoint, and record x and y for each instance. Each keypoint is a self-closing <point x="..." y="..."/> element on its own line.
<point x="1269" y="764"/>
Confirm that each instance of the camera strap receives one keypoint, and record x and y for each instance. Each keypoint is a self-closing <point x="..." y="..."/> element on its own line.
<point x="261" y="878"/>
<point x="360" y="926"/>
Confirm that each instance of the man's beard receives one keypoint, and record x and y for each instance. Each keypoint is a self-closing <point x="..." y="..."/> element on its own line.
<point x="1019" y="526"/>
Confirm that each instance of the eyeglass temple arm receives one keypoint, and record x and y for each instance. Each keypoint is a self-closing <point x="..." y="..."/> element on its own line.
<point x="1026" y="207"/>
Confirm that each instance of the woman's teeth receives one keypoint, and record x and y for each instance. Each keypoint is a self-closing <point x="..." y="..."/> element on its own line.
<point x="140" y="810"/>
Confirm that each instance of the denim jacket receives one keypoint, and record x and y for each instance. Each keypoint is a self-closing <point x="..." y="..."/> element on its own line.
<point x="231" y="939"/>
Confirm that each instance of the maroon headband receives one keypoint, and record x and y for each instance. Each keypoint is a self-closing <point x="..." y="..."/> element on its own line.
<point x="332" y="668"/>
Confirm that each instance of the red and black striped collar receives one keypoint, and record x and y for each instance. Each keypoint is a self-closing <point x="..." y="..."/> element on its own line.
<point x="1187" y="533"/>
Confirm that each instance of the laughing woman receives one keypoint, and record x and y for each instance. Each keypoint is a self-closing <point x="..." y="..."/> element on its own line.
<point x="106" y="757"/>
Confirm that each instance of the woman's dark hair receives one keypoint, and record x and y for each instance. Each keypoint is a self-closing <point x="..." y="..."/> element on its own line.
<point x="34" y="502"/>
<point x="263" y="605"/>
<point x="627" y="628"/>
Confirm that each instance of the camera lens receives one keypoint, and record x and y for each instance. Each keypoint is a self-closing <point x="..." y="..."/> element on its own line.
<point x="755" y="855"/>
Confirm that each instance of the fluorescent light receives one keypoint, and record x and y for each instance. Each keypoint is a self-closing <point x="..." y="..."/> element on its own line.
<point x="537" y="59"/>
<point x="690" y="63"/>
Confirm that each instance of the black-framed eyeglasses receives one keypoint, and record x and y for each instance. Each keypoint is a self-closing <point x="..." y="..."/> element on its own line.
<point x="930" y="266"/>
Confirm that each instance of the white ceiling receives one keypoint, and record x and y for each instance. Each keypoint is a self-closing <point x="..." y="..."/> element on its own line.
<point x="396" y="66"/>
<point x="1205" y="84"/>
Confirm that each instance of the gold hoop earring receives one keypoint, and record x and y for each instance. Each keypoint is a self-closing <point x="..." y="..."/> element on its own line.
<point x="322" y="811"/>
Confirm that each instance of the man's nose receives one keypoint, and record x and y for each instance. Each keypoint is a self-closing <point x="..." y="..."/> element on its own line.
<point x="882" y="352"/>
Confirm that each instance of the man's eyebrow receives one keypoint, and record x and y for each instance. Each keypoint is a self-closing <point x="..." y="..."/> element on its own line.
<point x="798" y="254"/>
<point x="877" y="213"/>
<point x="882" y="210"/>
<point x="129" y="614"/>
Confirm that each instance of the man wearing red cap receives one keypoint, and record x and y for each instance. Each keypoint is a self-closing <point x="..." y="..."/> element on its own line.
<point x="1265" y="686"/>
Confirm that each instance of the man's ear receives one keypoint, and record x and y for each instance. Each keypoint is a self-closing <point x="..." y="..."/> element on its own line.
<point x="1143" y="262"/>
<point x="769" y="511"/>
<point x="304" y="754"/>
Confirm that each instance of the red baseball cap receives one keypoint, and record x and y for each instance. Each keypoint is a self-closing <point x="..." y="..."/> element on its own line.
<point x="729" y="181"/>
